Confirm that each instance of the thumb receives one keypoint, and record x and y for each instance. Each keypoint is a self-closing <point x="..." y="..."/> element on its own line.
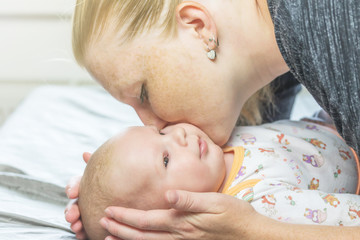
<point x="72" y="188"/>
<point x="194" y="201"/>
<point x="86" y="156"/>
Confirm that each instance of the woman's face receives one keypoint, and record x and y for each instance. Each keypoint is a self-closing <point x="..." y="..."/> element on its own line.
<point x="168" y="83"/>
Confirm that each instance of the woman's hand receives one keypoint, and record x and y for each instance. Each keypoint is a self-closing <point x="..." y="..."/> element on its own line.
<point x="193" y="216"/>
<point x="72" y="212"/>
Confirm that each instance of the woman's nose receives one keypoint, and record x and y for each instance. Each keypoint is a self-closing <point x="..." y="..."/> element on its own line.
<point x="159" y="123"/>
<point x="179" y="136"/>
<point x="150" y="118"/>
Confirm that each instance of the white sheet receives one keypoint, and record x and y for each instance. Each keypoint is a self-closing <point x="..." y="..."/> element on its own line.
<point x="41" y="147"/>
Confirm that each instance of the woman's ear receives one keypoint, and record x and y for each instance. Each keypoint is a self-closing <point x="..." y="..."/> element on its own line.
<point x="194" y="16"/>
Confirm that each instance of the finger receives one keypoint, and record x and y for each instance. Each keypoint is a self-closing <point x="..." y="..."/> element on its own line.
<point x="72" y="212"/>
<point x="81" y="235"/>
<point x="195" y="202"/>
<point x="156" y="220"/>
<point x="72" y="188"/>
<point x="127" y="232"/>
<point x="77" y="226"/>
<point x="86" y="156"/>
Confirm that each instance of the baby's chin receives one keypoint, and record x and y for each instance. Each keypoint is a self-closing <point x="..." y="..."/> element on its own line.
<point x="216" y="151"/>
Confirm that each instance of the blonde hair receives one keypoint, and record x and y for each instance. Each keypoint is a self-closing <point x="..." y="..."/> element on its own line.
<point x="98" y="190"/>
<point x="92" y="18"/>
<point x="251" y="113"/>
<point x="94" y="193"/>
<point x="133" y="17"/>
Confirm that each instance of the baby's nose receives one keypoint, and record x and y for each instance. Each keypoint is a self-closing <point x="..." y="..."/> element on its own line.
<point x="179" y="136"/>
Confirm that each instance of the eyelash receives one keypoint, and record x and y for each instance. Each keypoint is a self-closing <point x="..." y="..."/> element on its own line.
<point x="166" y="156"/>
<point x="143" y="94"/>
<point x="166" y="160"/>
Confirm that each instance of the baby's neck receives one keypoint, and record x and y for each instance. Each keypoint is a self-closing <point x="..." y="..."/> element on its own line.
<point x="229" y="159"/>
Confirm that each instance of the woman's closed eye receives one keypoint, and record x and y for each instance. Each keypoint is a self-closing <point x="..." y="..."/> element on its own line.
<point x="143" y="94"/>
<point x="166" y="160"/>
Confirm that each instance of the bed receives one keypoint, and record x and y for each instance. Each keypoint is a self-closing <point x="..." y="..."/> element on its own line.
<point x="41" y="146"/>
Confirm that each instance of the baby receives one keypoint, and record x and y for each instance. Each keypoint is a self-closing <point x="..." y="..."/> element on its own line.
<point x="312" y="171"/>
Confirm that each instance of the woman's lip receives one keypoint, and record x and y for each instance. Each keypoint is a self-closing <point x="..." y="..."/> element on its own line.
<point x="203" y="147"/>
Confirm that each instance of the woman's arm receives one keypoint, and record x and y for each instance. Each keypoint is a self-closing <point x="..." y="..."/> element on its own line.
<point x="210" y="216"/>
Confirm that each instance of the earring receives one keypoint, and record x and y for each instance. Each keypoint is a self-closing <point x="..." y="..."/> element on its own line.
<point x="216" y="41"/>
<point x="211" y="54"/>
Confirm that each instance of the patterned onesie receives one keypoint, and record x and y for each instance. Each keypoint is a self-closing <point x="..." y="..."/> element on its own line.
<point x="295" y="172"/>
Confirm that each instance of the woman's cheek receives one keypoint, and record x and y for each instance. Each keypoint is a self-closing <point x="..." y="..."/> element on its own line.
<point x="167" y="104"/>
<point x="164" y="110"/>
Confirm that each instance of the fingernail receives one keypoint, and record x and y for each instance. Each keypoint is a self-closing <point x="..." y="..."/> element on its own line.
<point x="108" y="238"/>
<point x="68" y="192"/>
<point x="109" y="213"/>
<point x="104" y="223"/>
<point x="172" y="197"/>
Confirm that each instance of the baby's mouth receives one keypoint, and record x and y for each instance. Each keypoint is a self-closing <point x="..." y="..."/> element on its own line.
<point x="203" y="147"/>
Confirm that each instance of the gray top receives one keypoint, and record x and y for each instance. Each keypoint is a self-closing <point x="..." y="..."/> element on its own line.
<point x="320" y="42"/>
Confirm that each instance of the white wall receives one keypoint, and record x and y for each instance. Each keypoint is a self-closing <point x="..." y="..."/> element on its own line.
<point x="35" y="49"/>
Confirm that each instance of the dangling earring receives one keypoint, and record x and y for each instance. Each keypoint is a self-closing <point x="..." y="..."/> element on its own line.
<point x="211" y="54"/>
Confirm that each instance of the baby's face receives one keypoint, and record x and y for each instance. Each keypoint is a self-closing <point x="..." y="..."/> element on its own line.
<point x="178" y="157"/>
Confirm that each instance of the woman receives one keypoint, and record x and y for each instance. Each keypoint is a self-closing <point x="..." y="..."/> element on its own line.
<point x="198" y="62"/>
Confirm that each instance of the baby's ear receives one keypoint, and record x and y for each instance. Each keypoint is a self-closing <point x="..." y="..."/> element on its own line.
<point x="86" y="157"/>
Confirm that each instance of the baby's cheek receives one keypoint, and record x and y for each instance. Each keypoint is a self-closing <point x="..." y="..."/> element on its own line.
<point x="219" y="170"/>
<point x="204" y="181"/>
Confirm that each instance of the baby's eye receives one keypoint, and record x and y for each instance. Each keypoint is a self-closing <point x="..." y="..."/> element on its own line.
<point x="166" y="160"/>
<point x="161" y="133"/>
<point x="143" y="94"/>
